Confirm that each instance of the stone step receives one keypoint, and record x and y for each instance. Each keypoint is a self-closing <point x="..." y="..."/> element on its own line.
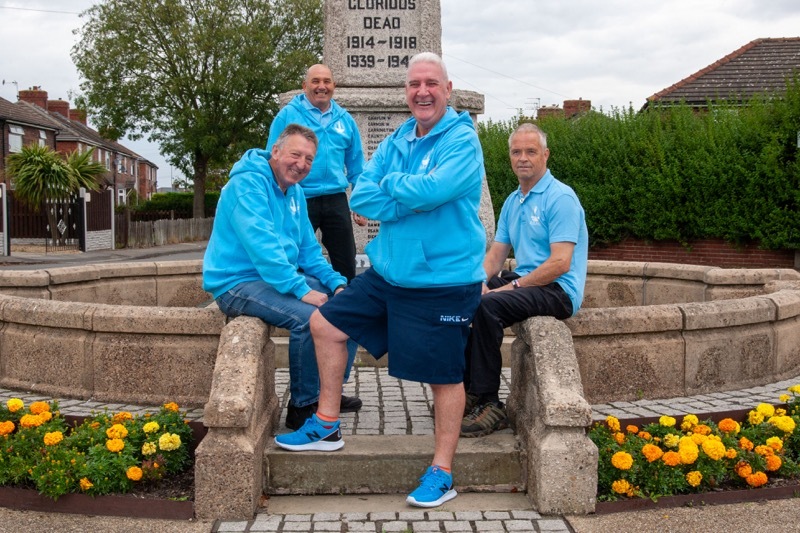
<point x="363" y="357"/>
<point x="383" y="464"/>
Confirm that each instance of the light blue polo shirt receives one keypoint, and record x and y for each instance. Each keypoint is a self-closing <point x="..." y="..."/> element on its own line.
<point x="550" y="212"/>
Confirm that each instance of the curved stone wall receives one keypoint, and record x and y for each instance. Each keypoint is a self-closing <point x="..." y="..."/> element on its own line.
<point x="138" y="332"/>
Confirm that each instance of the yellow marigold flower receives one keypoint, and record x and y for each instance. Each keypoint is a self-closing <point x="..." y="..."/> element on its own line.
<point x="149" y="448"/>
<point x="667" y="421"/>
<point x="794" y="388"/>
<point x="689" y="421"/>
<point x="15" y="404"/>
<point x="632" y="429"/>
<point x="671" y="440"/>
<point x="622" y="460"/>
<point x="763" y="450"/>
<point x="784" y="398"/>
<point x="780" y="412"/>
<point x="30" y="421"/>
<point x="612" y="423"/>
<point x="53" y="438"/>
<point x="774" y="463"/>
<point x="714" y="449"/>
<point x="784" y="423"/>
<point x="730" y="453"/>
<point x="702" y="429"/>
<point x="755" y="418"/>
<point x="621" y="486"/>
<point x="745" y="444"/>
<point x="619" y="438"/>
<point x="652" y="452"/>
<point x="671" y="458"/>
<point x="688" y="451"/>
<point x="694" y="478"/>
<point x="766" y="409"/>
<point x="686" y="441"/>
<point x="743" y="469"/>
<point x="756" y="479"/>
<point x="121" y="417"/>
<point x="86" y="484"/>
<point x="134" y="473"/>
<point x="776" y="443"/>
<point x="38" y="408"/>
<point x="171" y="406"/>
<point x="729" y="425"/>
<point x="117" y="431"/>
<point x="169" y="441"/>
<point x="115" y="445"/>
<point x="151" y="427"/>
<point x="7" y="427"/>
<point x="698" y="438"/>
<point x="644" y="435"/>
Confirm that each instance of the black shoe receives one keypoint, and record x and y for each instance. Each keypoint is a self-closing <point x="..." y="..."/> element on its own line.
<point x="297" y="416"/>
<point x="349" y="404"/>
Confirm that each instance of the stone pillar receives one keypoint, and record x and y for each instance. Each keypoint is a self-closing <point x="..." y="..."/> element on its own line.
<point x="367" y="47"/>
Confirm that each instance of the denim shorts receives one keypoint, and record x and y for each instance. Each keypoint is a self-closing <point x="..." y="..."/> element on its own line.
<point x="424" y="331"/>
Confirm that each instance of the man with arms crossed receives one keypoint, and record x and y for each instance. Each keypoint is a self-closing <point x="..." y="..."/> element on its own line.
<point x="544" y="223"/>
<point x="416" y="302"/>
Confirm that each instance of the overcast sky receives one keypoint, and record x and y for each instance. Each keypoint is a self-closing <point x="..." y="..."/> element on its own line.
<point x="517" y="53"/>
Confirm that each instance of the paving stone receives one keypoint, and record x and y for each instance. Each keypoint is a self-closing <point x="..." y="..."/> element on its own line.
<point x="426" y="527"/>
<point x="411" y="515"/>
<point x="397" y="525"/>
<point x="355" y="517"/>
<point x="297" y="526"/>
<point x="327" y="526"/>
<point x="362" y="527"/>
<point x="457" y="525"/>
<point x="552" y="525"/>
<point x="297" y="518"/>
<point x="469" y="515"/>
<point x="496" y="515"/>
<point x="525" y="514"/>
<point x="519" y="525"/>
<point x="382" y="516"/>
<point x="490" y="526"/>
<point x="231" y="527"/>
<point x="440" y="515"/>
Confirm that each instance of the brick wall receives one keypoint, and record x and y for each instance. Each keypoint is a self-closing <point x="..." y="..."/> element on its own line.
<point x="706" y="252"/>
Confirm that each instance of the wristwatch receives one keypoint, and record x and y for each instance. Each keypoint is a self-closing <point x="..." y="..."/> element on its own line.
<point x="515" y="283"/>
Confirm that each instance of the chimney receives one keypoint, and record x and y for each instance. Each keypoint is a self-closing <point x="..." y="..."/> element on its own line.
<point x="576" y="107"/>
<point x="59" y="106"/>
<point x="35" y="95"/>
<point x="549" y="111"/>
<point x="78" y="115"/>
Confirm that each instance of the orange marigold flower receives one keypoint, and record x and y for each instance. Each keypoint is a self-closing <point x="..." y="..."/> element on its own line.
<point x="694" y="478"/>
<point x="30" y="421"/>
<point x="764" y="451"/>
<point x="86" y="484"/>
<point x="776" y="443"/>
<point x="699" y="438"/>
<point x="714" y="449"/>
<point x="632" y="429"/>
<point x="671" y="458"/>
<point x="774" y="463"/>
<point x="756" y="479"/>
<point x="619" y="438"/>
<point x="121" y="417"/>
<point x="171" y="406"/>
<point x="38" y="408"/>
<point x="652" y="452"/>
<point x="46" y="416"/>
<point x="117" y="431"/>
<point x="622" y="460"/>
<point x="115" y="445"/>
<point x="644" y="435"/>
<point x="94" y="425"/>
<point x="729" y="425"/>
<point x="7" y="427"/>
<point x="730" y="453"/>
<point x="743" y="469"/>
<point x="745" y="444"/>
<point x="134" y="473"/>
<point x="53" y="438"/>
<point x="621" y="486"/>
<point x="702" y="429"/>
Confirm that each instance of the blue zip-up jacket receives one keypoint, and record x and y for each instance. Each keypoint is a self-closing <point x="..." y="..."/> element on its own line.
<point x="261" y="233"/>
<point x="426" y="194"/>
<point x="339" y="146"/>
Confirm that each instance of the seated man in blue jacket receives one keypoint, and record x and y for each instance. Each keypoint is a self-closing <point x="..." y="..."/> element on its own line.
<point x="263" y="259"/>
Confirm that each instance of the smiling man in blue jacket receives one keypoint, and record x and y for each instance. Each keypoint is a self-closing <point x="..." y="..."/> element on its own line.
<point x="338" y="164"/>
<point x="261" y="241"/>
<point x="424" y="185"/>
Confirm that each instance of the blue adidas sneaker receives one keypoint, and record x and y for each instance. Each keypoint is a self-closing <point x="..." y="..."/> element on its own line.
<point x="435" y="488"/>
<point x="314" y="435"/>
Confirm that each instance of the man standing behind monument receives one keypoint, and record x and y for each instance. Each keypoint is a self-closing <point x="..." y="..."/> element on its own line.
<point x="544" y="223"/>
<point x="424" y="185"/>
<point x="339" y="162"/>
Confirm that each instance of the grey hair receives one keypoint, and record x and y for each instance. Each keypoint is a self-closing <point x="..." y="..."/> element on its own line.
<point x="527" y="127"/>
<point x="296" y="129"/>
<point x="429" y="57"/>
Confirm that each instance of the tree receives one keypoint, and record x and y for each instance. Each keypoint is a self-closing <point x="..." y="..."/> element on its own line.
<point x="199" y="77"/>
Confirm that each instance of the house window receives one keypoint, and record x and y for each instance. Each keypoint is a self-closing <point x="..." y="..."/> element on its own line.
<point x="15" y="138"/>
<point x="120" y="196"/>
<point x="42" y="138"/>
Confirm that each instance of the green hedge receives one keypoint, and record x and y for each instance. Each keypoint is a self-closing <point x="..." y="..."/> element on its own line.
<point x="180" y="202"/>
<point x="673" y="173"/>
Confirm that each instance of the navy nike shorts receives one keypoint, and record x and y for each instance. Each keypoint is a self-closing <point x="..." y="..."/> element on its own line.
<point x="424" y="331"/>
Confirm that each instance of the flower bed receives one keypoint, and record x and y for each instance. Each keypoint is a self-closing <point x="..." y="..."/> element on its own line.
<point x="102" y="455"/>
<point x="668" y="458"/>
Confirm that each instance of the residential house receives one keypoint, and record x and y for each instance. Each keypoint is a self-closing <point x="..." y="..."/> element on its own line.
<point x="759" y="67"/>
<point x="35" y="115"/>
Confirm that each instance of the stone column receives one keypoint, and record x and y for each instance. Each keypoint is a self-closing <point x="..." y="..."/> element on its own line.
<point x="367" y="47"/>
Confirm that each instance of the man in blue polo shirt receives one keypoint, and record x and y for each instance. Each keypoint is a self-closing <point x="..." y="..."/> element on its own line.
<point x="544" y="223"/>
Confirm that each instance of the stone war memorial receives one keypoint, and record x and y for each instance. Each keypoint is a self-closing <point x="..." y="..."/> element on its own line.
<point x="143" y="333"/>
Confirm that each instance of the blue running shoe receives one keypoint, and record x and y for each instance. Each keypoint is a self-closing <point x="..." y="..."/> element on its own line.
<point x="314" y="435"/>
<point x="435" y="488"/>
